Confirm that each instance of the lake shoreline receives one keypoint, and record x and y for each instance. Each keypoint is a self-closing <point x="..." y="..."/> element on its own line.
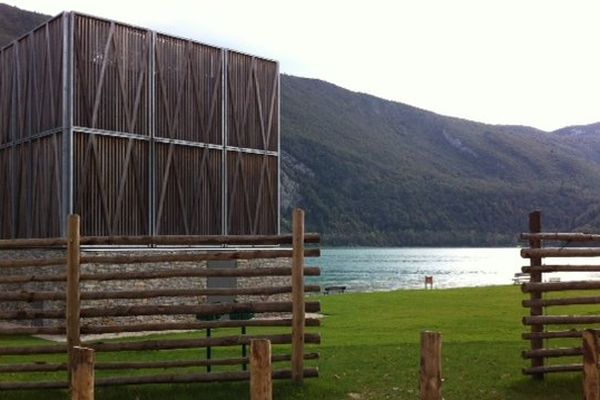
<point x="384" y="269"/>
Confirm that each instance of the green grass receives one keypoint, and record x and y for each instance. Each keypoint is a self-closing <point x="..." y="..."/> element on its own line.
<point x="370" y="348"/>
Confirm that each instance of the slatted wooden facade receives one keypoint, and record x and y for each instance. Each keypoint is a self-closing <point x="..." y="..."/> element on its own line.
<point x="139" y="132"/>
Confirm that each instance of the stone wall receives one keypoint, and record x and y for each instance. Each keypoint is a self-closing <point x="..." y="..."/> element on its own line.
<point x="164" y="283"/>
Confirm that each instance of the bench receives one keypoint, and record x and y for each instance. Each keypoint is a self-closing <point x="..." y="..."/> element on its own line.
<point x="521" y="277"/>
<point x="334" y="289"/>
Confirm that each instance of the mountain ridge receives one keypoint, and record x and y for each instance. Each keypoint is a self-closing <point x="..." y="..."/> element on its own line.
<point x="493" y="171"/>
<point x="15" y="22"/>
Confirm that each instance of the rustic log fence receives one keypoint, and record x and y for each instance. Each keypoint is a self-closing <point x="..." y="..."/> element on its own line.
<point x="73" y="320"/>
<point x="549" y="329"/>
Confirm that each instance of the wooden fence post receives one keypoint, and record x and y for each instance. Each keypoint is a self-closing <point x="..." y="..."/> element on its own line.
<point x="431" y="366"/>
<point x="261" y="386"/>
<point x="82" y="373"/>
<point x="535" y="226"/>
<point x="298" y="297"/>
<point x="73" y="294"/>
<point x="591" y="380"/>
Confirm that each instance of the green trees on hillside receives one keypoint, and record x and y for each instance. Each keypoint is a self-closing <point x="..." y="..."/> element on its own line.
<point x="374" y="172"/>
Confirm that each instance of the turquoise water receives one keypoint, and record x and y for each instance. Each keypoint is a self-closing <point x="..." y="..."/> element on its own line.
<point x="377" y="269"/>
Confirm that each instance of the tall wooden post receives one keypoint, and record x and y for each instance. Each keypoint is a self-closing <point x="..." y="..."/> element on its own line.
<point x="535" y="226"/>
<point x="298" y="297"/>
<point x="261" y="386"/>
<point x="591" y="380"/>
<point x="82" y="373"/>
<point x="431" y="366"/>
<point x="73" y="295"/>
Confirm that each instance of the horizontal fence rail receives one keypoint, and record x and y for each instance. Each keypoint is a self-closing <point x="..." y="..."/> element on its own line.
<point x="561" y="252"/>
<point x="561" y="302"/>
<point x="562" y="237"/>
<point x="548" y="329"/>
<point x="559" y="286"/>
<point x="173" y="326"/>
<point x="146" y="365"/>
<point x="153" y="327"/>
<point x="155" y="379"/>
<point x="178" y="273"/>
<point x="233" y="255"/>
<point x="562" y="268"/>
<point x="241" y="240"/>
<point x="44" y="262"/>
<point x="124" y="311"/>
<point x="30" y="296"/>
<point x="165" y="240"/>
<point x="78" y="311"/>
<point x="571" y="333"/>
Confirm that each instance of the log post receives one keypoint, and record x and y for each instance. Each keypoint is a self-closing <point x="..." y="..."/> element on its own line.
<point x="82" y="373"/>
<point x="431" y="366"/>
<point x="591" y="379"/>
<point x="535" y="226"/>
<point x="73" y="294"/>
<point x="298" y="297"/>
<point x="261" y="386"/>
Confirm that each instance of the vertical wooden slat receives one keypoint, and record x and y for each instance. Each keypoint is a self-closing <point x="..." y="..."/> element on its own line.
<point x="252" y="193"/>
<point x="45" y="187"/>
<point x="111" y="184"/>
<point x="6" y="195"/>
<point x="82" y="373"/>
<point x="261" y="386"/>
<point x="298" y="316"/>
<point x="111" y="66"/>
<point x="73" y="293"/>
<point x="535" y="226"/>
<point x="188" y="81"/>
<point x="431" y="366"/>
<point x="187" y="187"/>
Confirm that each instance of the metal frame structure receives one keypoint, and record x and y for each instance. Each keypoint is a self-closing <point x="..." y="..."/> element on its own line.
<point x="139" y="132"/>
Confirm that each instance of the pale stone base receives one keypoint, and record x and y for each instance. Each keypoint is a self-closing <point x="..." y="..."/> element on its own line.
<point x="165" y="283"/>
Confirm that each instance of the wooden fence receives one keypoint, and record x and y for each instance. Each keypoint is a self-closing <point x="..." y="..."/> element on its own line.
<point x="556" y="336"/>
<point x="75" y="320"/>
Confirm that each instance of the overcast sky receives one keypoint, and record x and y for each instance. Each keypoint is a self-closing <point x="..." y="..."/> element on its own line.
<point x="527" y="62"/>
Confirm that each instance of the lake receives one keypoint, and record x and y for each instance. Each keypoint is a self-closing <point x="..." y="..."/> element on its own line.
<point x="377" y="269"/>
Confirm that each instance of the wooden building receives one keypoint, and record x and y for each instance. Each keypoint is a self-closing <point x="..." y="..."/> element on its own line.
<point x="139" y="132"/>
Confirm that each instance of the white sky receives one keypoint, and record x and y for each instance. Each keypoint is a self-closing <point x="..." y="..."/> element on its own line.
<point x="529" y="62"/>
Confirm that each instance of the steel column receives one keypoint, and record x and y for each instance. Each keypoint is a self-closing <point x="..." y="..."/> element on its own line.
<point x="13" y="135"/>
<point x="278" y="222"/>
<point x="151" y="134"/>
<point x="224" y="127"/>
<point x="29" y="110"/>
<point x="67" y="114"/>
<point x="18" y="107"/>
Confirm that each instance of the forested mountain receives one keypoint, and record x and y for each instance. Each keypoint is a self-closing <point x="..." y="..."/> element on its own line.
<point x="15" y="22"/>
<point x="371" y="171"/>
<point x="376" y="172"/>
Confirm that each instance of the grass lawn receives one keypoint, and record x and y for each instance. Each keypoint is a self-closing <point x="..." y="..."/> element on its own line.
<point x="370" y="350"/>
